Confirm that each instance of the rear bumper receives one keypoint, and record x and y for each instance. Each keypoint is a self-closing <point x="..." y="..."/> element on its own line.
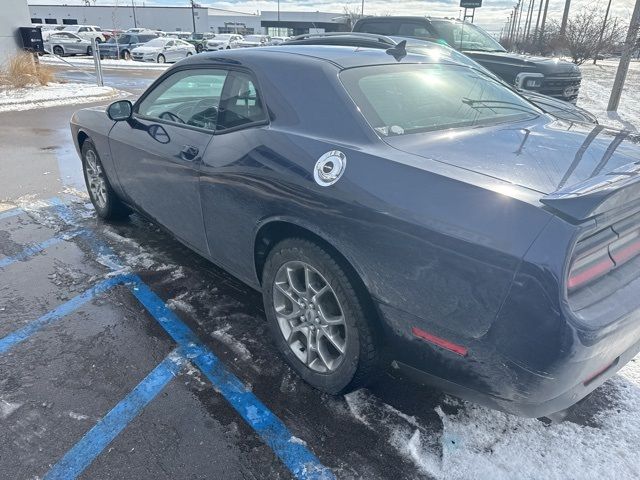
<point x="520" y="407"/>
<point x="485" y="375"/>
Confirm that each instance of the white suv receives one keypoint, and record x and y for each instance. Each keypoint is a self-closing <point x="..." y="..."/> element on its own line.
<point x="87" y="32"/>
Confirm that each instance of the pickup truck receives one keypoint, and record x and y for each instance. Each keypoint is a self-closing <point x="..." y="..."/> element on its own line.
<point x="548" y="76"/>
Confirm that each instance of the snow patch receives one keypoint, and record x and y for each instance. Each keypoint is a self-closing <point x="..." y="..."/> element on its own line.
<point x="106" y="63"/>
<point x="53" y="95"/>
<point x="180" y="303"/>
<point x="77" y="416"/>
<point x="480" y="443"/>
<point x="7" y="408"/>
<point x="597" y="81"/>
<point x="238" y="348"/>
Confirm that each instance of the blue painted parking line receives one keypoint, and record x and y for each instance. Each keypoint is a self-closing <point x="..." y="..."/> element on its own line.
<point x="302" y="463"/>
<point x="11" y="213"/>
<point x="18" y="336"/>
<point x="83" y="453"/>
<point x="297" y="457"/>
<point x="31" y="250"/>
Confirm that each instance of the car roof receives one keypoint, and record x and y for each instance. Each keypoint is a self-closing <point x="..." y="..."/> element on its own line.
<point x="340" y="56"/>
<point x="408" y="18"/>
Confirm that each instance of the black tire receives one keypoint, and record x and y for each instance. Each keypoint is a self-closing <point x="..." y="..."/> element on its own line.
<point x="113" y="208"/>
<point x="199" y="48"/>
<point x="189" y="54"/>
<point x="126" y="55"/>
<point x="58" y="50"/>
<point x="161" y="59"/>
<point x="89" y="51"/>
<point x="360" y="364"/>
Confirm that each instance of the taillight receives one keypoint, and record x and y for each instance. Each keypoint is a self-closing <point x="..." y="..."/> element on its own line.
<point x="598" y="254"/>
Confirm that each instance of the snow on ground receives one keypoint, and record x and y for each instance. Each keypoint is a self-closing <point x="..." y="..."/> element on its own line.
<point x="480" y="443"/>
<point x="597" y="81"/>
<point x="51" y="95"/>
<point x="106" y="63"/>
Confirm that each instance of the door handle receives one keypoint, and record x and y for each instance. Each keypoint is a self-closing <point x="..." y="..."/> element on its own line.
<point x="189" y="152"/>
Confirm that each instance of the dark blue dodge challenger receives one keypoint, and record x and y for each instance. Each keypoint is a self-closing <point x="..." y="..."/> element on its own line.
<point x="393" y="208"/>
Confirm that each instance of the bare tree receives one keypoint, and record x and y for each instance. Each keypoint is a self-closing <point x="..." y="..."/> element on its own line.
<point x="351" y="14"/>
<point x="586" y="34"/>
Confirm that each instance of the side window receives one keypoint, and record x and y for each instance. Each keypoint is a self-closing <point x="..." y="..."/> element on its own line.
<point x="189" y="97"/>
<point x="379" y="28"/>
<point x="170" y="43"/>
<point x="127" y="39"/>
<point x="82" y="29"/>
<point x="241" y="103"/>
<point x="414" y="30"/>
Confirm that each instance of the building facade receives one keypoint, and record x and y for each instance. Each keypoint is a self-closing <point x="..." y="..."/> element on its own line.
<point x="14" y="14"/>
<point x="186" y="19"/>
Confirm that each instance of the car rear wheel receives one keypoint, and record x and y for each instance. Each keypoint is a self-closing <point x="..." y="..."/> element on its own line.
<point x="58" y="50"/>
<point x="106" y="202"/>
<point x="317" y="318"/>
<point x="199" y="48"/>
<point x="126" y="55"/>
<point x="161" y="59"/>
<point x="89" y="51"/>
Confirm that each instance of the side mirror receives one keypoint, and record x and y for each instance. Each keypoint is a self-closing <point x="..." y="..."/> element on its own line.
<point x="120" y="110"/>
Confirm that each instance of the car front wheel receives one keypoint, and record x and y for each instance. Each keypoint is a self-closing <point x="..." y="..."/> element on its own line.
<point x="106" y="202"/>
<point x="320" y="322"/>
<point x="161" y="59"/>
<point x="59" y="51"/>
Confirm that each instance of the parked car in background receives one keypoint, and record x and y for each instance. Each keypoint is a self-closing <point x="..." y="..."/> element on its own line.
<point x="394" y="207"/>
<point x="224" y="41"/>
<point x="278" y="40"/>
<point x="199" y="40"/>
<point x="177" y="34"/>
<point x="67" y="43"/>
<point x="87" y="32"/>
<point x="549" y="76"/>
<point x="254" y="41"/>
<point x="49" y="29"/>
<point x="122" y="45"/>
<point x="163" y="50"/>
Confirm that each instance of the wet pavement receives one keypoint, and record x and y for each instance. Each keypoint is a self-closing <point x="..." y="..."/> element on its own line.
<point x="125" y="355"/>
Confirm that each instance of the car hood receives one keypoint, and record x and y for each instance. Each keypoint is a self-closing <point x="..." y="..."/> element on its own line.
<point x="541" y="64"/>
<point x="544" y="155"/>
<point x="146" y="50"/>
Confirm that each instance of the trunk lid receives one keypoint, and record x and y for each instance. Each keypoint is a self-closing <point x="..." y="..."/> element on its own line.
<point x="576" y="168"/>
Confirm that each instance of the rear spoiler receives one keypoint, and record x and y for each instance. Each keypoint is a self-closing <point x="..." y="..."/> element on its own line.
<point x="597" y="195"/>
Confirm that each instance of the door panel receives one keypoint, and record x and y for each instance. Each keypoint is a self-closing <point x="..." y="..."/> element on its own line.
<point x="237" y="149"/>
<point x="158" y="152"/>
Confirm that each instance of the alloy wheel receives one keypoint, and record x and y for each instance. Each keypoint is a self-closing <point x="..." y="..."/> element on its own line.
<point x="310" y="316"/>
<point x="95" y="178"/>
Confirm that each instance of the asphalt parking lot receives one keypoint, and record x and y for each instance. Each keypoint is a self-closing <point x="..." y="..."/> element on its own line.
<point x="125" y="355"/>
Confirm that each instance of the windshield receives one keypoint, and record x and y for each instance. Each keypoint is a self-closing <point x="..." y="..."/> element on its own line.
<point x="406" y="99"/>
<point x="253" y="38"/>
<point x="466" y="36"/>
<point x="224" y="36"/>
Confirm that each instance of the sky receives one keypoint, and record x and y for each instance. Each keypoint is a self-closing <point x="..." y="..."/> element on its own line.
<point x="491" y="16"/>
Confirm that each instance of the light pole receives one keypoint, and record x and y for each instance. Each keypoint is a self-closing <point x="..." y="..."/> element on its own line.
<point x="625" y="59"/>
<point x="193" y="16"/>
<point x="133" y="7"/>
<point x="362" y="9"/>
<point x="604" y="26"/>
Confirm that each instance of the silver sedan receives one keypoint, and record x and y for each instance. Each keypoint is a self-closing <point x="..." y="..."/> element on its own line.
<point x="67" y="43"/>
